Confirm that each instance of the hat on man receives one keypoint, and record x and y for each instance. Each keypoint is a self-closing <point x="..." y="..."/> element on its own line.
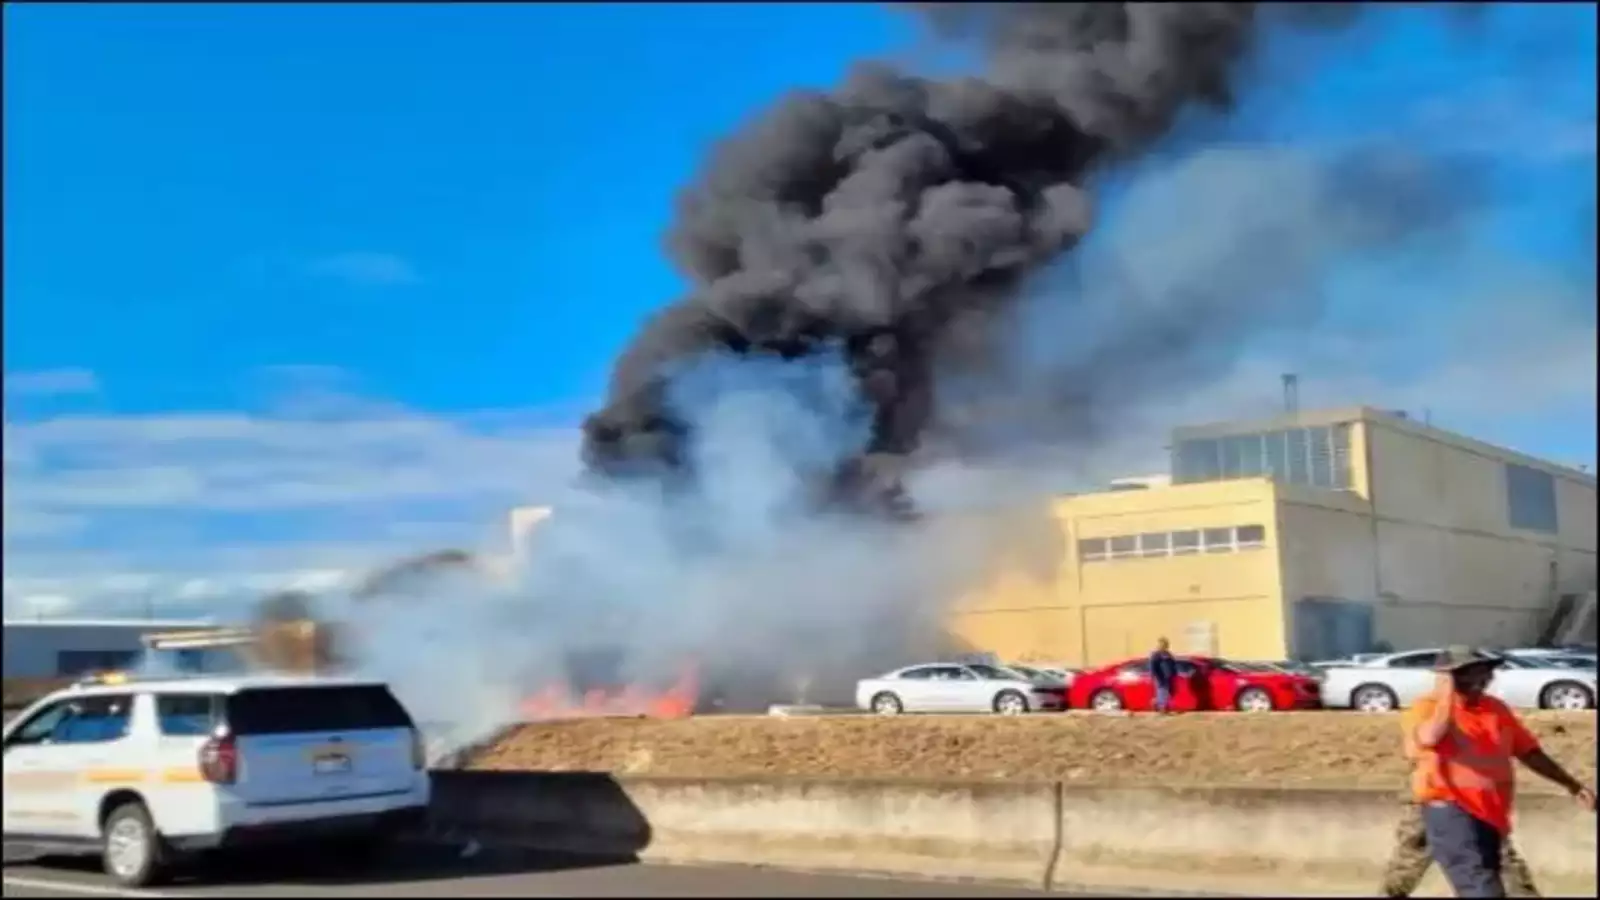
<point x="1460" y="656"/>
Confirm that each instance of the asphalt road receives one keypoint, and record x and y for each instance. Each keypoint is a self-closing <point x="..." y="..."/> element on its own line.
<point x="440" y="872"/>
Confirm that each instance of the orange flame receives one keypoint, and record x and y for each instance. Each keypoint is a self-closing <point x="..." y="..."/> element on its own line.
<point x="556" y="701"/>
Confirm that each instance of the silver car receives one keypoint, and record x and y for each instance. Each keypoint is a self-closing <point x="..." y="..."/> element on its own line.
<point x="956" y="687"/>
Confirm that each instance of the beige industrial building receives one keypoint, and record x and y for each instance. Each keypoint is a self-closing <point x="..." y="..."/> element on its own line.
<point x="1312" y="535"/>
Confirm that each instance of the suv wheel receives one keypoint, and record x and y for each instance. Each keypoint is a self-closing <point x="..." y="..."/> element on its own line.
<point x="132" y="853"/>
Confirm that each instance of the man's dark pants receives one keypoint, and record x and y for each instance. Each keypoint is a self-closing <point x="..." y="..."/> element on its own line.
<point x="1466" y="848"/>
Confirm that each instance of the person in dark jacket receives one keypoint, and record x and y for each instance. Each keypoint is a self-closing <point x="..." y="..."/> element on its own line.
<point x="1164" y="672"/>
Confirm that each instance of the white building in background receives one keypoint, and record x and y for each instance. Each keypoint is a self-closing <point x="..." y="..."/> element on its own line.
<point x="60" y="648"/>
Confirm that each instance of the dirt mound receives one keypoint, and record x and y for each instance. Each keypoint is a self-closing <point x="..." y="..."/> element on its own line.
<point x="1335" y="749"/>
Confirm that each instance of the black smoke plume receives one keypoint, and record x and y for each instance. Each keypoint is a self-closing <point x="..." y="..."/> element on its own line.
<point x="895" y="220"/>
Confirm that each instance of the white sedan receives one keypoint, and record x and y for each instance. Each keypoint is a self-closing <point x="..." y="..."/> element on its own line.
<point x="1397" y="680"/>
<point x="956" y="687"/>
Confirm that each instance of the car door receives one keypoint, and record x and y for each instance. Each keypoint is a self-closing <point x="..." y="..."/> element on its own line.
<point x="1518" y="685"/>
<point x="95" y="742"/>
<point x="1202" y="685"/>
<point x="916" y="689"/>
<point x="1132" y="680"/>
<point x="1411" y="675"/>
<point x="34" y="781"/>
<point x="955" y="686"/>
<point x="62" y="772"/>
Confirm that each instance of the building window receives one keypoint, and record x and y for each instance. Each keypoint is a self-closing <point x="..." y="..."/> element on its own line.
<point x="1218" y="540"/>
<point x="1251" y="536"/>
<point x="1316" y="457"/>
<point x="1531" y="499"/>
<point x="1158" y="544"/>
<point x="1185" y="543"/>
<point x="82" y="662"/>
<point x="1196" y="461"/>
<point x="1299" y="458"/>
<point x="1342" y="479"/>
<point x="1173" y="543"/>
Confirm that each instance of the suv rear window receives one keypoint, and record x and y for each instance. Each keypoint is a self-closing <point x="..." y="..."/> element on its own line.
<point x="293" y="710"/>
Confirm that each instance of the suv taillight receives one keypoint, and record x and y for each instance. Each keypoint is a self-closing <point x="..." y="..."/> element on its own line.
<point x="419" y="752"/>
<point x="219" y="760"/>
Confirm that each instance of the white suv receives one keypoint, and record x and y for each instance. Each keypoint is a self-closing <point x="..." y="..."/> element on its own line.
<point x="145" y="772"/>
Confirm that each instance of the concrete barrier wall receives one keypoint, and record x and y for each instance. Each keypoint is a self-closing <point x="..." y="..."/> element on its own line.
<point x="1271" y="840"/>
<point x="989" y="831"/>
<point x="1218" y="840"/>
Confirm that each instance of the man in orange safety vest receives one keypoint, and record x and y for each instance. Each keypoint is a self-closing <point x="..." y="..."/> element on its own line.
<point x="1465" y="742"/>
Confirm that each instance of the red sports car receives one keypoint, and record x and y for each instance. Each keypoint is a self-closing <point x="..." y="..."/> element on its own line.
<point x="1204" y="683"/>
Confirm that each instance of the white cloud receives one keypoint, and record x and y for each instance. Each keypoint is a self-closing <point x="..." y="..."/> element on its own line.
<point x="211" y="508"/>
<point x="40" y="606"/>
<point x="51" y="382"/>
<point x="367" y="269"/>
<point x="243" y="463"/>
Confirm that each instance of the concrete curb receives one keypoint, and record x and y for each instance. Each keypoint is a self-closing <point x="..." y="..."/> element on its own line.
<point x="1197" y="841"/>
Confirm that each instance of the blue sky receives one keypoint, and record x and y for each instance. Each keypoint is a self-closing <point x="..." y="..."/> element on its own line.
<point x="292" y="288"/>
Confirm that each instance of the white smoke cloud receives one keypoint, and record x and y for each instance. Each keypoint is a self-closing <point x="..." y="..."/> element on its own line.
<point x="740" y="576"/>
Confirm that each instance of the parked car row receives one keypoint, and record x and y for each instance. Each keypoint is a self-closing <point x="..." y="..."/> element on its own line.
<point x="1527" y="679"/>
<point x="1204" y="683"/>
<point x="1530" y="678"/>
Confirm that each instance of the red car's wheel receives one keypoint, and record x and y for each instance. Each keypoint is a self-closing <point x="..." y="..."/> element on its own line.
<point x="1105" y="700"/>
<point x="1253" y="699"/>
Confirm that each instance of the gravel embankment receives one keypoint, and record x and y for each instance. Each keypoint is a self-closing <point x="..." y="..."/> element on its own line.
<point x="1317" y="748"/>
